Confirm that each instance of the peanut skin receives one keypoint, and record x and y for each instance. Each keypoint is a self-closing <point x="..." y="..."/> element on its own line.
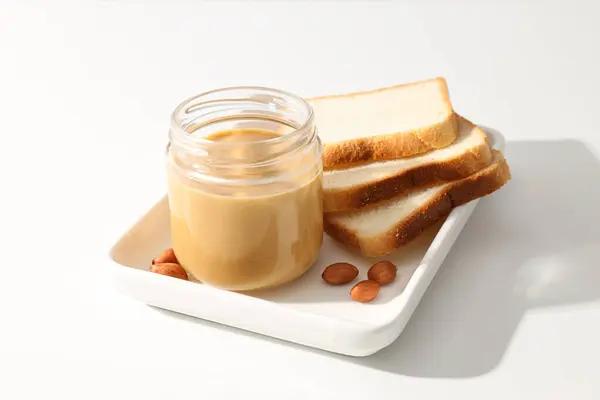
<point x="365" y="291"/>
<point x="167" y="256"/>
<point x="382" y="272"/>
<point x="169" y="269"/>
<point x="339" y="273"/>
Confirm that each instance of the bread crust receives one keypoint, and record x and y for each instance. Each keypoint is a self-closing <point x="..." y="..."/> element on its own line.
<point x="360" y="151"/>
<point x="456" y="194"/>
<point x="363" y="196"/>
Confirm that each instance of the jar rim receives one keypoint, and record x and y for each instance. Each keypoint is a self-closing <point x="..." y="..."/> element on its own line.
<point x="176" y="121"/>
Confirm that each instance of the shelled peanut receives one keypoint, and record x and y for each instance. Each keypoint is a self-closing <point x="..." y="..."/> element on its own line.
<point x="166" y="263"/>
<point x="381" y="273"/>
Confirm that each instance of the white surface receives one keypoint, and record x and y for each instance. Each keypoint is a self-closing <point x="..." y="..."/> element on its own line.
<point x="85" y="93"/>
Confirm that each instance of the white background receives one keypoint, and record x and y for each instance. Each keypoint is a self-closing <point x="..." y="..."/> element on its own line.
<point x="86" y="89"/>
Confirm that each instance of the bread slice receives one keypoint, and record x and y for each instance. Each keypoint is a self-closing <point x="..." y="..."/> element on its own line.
<point x="354" y="188"/>
<point x="384" y="124"/>
<point x="379" y="231"/>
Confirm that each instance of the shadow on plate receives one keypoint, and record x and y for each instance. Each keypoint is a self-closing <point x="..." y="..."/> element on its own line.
<point x="533" y="244"/>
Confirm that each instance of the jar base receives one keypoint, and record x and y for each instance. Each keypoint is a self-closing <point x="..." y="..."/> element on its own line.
<point x="280" y="283"/>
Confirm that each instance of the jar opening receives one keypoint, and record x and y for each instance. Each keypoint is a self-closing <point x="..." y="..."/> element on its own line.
<point x="244" y="107"/>
<point x="286" y="117"/>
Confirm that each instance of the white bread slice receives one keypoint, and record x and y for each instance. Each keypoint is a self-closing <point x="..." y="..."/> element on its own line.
<point x="381" y="230"/>
<point x="354" y="188"/>
<point x="384" y="124"/>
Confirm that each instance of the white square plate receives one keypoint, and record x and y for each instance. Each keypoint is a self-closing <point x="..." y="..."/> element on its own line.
<point x="306" y="311"/>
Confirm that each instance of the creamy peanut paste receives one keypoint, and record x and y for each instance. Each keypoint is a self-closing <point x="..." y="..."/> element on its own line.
<point x="246" y="239"/>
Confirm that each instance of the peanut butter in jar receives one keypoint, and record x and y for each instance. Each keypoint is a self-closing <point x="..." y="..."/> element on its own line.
<point x="245" y="188"/>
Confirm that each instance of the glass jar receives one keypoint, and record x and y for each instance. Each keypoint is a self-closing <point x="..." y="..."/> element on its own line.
<point x="245" y="214"/>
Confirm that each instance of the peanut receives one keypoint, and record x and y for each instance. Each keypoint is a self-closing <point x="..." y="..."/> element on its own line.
<point x="365" y="291"/>
<point x="167" y="256"/>
<point x="170" y="269"/>
<point x="339" y="273"/>
<point x="382" y="272"/>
